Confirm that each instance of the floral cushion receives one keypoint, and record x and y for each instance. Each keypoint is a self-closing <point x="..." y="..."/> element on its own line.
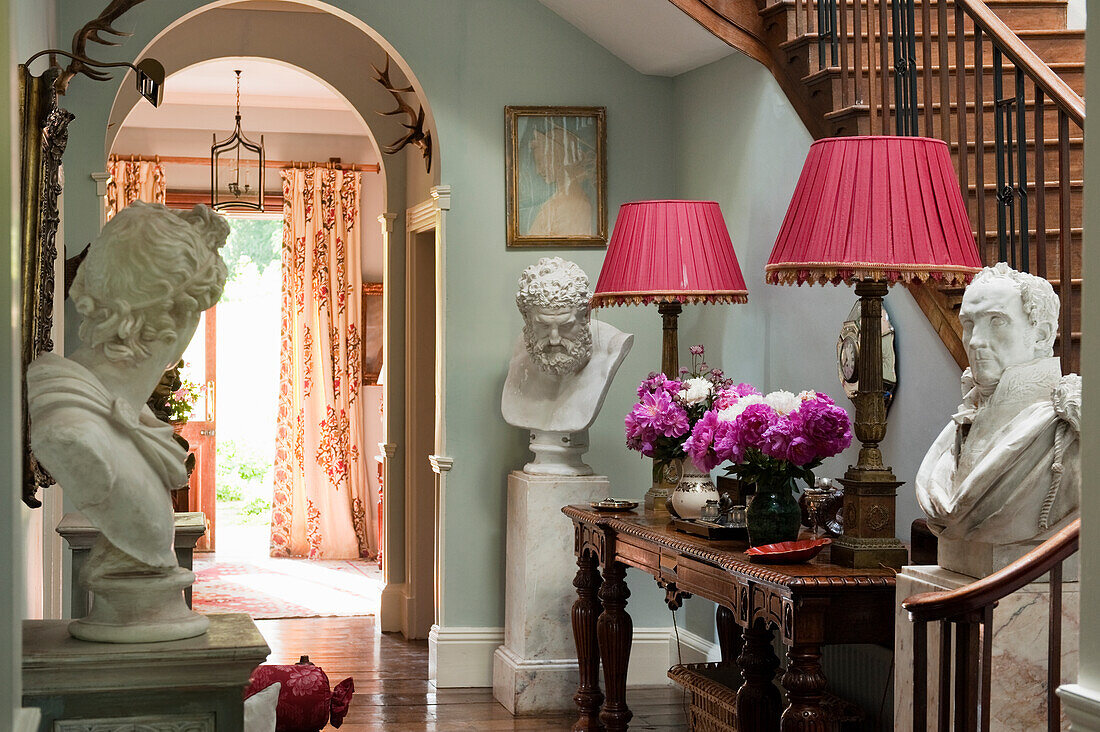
<point x="305" y="702"/>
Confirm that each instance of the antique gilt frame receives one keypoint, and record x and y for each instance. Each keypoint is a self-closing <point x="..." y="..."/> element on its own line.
<point x="520" y="166"/>
<point x="43" y="135"/>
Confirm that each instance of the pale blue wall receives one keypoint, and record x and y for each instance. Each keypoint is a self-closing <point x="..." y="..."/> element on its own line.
<point x="739" y="141"/>
<point x="473" y="57"/>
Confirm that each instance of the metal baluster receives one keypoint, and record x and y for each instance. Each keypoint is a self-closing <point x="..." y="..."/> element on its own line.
<point x="1040" y="186"/>
<point x="999" y="141"/>
<point x="872" y="65"/>
<point x="822" y="33"/>
<point x="832" y="29"/>
<point x="979" y="145"/>
<point x="945" y="677"/>
<point x="1065" y="243"/>
<point x="911" y="45"/>
<point x="857" y="53"/>
<point x="960" y="89"/>
<point x="845" y="93"/>
<point x="1054" y="650"/>
<point x="945" y="89"/>
<point x="920" y="675"/>
<point x="884" y="23"/>
<point x="1021" y="162"/>
<point x="900" y="68"/>
<point x="926" y="45"/>
<point x="987" y="663"/>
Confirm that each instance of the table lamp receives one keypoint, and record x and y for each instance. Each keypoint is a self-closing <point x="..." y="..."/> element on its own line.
<point x="670" y="253"/>
<point x="872" y="211"/>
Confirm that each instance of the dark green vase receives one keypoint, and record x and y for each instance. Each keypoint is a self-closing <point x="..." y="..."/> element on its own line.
<point x="773" y="516"/>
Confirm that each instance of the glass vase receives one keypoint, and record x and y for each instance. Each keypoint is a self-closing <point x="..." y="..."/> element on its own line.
<point x="693" y="491"/>
<point x="774" y="515"/>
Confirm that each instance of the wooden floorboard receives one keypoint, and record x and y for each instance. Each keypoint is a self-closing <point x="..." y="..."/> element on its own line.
<point x="392" y="691"/>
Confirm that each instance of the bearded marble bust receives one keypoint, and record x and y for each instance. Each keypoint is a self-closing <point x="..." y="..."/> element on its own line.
<point x="561" y="368"/>
<point x="1005" y="473"/>
<point x="141" y="290"/>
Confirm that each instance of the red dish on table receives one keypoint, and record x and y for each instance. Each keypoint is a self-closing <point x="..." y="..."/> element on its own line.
<point x="788" y="552"/>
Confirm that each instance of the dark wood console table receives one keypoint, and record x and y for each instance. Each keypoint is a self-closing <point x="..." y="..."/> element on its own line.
<point x="810" y="605"/>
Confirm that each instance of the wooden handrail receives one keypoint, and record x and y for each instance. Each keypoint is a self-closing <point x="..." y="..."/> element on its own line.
<point x="1024" y="58"/>
<point x="929" y="606"/>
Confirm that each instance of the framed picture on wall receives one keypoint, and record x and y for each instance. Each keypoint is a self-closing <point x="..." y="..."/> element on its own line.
<point x="556" y="176"/>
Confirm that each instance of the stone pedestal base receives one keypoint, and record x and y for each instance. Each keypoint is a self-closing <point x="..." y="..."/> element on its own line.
<point x="140" y="609"/>
<point x="978" y="559"/>
<point x="1018" y="688"/>
<point x="536" y="668"/>
<point x="194" y="684"/>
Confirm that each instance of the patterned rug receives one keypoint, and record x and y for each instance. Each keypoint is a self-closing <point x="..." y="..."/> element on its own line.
<point x="286" y="588"/>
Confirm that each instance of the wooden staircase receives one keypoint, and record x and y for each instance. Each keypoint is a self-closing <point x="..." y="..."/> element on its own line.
<point x="1000" y="81"/>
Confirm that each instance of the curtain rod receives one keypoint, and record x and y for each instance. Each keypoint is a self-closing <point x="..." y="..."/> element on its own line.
<point x="178" y="160"/>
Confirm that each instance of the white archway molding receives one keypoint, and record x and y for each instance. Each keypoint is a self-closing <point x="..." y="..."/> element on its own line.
<point x="332" y="46"/>
<point x="226" y="32"/>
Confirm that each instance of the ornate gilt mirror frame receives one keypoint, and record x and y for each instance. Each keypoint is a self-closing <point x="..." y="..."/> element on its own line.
<point x="43" y="134"/>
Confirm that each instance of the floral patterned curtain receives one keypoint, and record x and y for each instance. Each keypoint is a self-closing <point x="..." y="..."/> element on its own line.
<point x="133" y="180"/>
<point x="323" y="508"/>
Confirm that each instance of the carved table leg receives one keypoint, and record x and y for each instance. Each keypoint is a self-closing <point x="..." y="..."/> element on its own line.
<point x="729" y="634"/>
<point x="758" y="701"/>
<point x="615" y="630"/>
<point x="805" y="683"/>
<point x="586" y="609"/>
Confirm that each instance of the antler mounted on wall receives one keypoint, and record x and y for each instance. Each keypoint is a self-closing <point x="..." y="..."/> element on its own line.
<point x="150" y="73"/>
<point x="416" y="134"/>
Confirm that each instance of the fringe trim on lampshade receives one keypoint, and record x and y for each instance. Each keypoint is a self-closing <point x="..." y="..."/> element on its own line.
<point x="848" y="272"/>
<point x="614" y="299"/>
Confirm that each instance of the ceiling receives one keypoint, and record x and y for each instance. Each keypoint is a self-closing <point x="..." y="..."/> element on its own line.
<point x="652" y="36"/>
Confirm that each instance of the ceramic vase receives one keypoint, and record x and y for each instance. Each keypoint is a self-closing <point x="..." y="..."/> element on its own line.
<point x="774" y="515"/>
<point x="666" y="475"/>
<point x="693" y="491"/>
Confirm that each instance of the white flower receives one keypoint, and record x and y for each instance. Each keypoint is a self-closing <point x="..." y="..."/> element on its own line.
<point x="783" y="402"/>
<point x="695" y="391"/>
<point x="729" y="414"/>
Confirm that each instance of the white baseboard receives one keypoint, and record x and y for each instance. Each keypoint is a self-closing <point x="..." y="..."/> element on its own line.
<point x="1082" y="706"/>
<point x="463" y="657"/>
<point x="391" y="611"/>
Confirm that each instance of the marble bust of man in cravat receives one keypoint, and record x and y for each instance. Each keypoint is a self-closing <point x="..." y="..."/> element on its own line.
<point x="561" y="368"/>
<point x="1006" y="470"/>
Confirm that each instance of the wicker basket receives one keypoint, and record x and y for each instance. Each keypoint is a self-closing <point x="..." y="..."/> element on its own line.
<point x="713" y="688"/>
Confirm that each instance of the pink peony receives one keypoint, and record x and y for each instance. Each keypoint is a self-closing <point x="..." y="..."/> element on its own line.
<point x="777" y="440"/>
<point x="728" y="396"/>
<point x="727" y="445"/>
<point x="656" y="415"/>
<point x="700" y="445"/>
<point x="825" y="426"/>
<point x="658" y="382"/>
<point x="753" y="424"/>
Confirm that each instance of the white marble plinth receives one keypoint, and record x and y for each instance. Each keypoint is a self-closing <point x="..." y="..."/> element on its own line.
<point x="978" y="559"/>
<point x="192" y="684"/>
<point x="536" y="668"/>
<point x="1018" y="687"/>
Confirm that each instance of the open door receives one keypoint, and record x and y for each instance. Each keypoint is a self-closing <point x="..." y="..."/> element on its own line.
<point x="200" y="366"/>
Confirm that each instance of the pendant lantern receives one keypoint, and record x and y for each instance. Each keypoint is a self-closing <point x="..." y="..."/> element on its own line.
<point x="237" y="169"/>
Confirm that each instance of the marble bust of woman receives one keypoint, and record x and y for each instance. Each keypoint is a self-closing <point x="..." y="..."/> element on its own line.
<point x="141" y="290"/>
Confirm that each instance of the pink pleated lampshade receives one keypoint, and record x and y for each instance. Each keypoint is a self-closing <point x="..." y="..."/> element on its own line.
<point x="670" y="251"/>
<point x="881" y="208"/>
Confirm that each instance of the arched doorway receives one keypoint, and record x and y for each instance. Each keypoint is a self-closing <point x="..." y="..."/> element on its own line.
<point x="256" y="30"/>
